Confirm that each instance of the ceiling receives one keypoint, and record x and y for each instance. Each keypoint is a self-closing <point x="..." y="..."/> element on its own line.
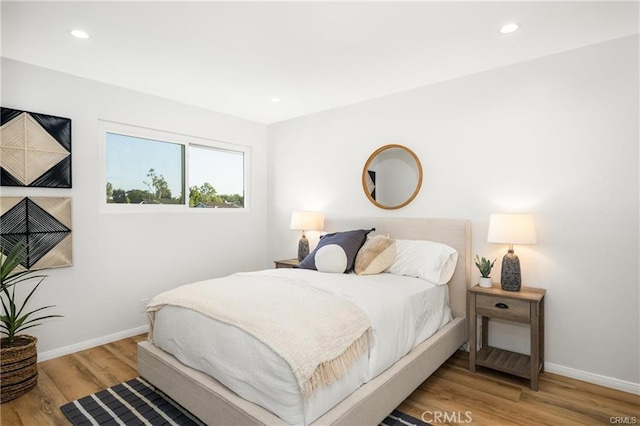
<point x="234" y="57"/>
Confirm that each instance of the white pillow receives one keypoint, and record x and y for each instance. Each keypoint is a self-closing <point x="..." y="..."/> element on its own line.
<point x="428" y="260"/>
<point x="331" y="258"/>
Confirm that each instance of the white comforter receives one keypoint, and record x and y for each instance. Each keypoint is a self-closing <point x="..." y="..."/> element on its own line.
<point x="403" y="312"/>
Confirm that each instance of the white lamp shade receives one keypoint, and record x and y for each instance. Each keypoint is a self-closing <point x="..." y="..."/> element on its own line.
<point x="512" y="228"/>
<point x="307" y="221"/>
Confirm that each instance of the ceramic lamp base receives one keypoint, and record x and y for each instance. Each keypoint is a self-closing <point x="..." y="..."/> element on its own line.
<point x="303" y="247"/>
<point x="510" y="278"/>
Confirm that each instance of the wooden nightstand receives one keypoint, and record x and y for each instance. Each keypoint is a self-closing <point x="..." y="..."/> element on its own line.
<point x="524" y="306"/>
<point x="286" y="263"/>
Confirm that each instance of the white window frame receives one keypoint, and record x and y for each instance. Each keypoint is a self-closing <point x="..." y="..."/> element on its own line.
<point x="105" y="127"/>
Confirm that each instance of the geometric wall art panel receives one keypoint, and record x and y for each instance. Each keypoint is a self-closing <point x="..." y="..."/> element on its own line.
<point x="42" y="225"/>
<point x="35" y="149"/>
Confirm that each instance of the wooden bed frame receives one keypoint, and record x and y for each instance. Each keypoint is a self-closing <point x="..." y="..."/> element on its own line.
<point x="215" y="404"/>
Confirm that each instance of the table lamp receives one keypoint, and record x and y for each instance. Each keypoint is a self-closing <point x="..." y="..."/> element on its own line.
<point x="305" y="221"/>
<point x="511" y="228"/>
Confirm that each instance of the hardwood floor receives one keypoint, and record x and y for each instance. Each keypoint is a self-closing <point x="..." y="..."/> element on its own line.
<point x="452" y="395"/>
<point x="71" y="377"/>
<point x="493" y="398"/>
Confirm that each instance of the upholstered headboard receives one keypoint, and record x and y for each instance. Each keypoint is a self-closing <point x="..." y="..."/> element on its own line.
<point x="453" y="232"/>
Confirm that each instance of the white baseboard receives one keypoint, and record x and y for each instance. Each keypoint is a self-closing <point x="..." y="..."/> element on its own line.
<point x="55" y="353"/>
<point x="596" y="379"/>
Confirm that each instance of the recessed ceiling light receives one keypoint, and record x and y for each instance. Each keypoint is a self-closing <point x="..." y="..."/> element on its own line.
<point x="509" y="28"/>
<point x="275" y="99"/>
<point x="79" y="34"/>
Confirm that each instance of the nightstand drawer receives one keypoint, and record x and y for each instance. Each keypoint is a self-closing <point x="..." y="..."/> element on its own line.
<point x="503" y="307"/>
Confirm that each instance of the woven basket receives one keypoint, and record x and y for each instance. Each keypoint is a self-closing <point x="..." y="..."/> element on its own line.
<point x="18" y="367"/>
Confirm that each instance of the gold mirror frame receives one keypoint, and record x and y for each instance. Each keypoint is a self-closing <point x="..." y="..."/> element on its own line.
<point x="368" y="164"/>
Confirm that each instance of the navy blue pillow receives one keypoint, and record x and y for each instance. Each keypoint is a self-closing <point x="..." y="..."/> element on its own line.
<point x="349" y="241"/>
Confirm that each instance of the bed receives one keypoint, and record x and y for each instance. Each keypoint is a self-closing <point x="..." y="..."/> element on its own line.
<point x="214" y="403"/>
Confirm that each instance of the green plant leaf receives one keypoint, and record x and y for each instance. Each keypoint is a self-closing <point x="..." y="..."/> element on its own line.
<point x="20" y="277"/>
<point x="21" y="319"/>
<point x="26" y="300"/>
<point x="15" y="318"/>
<point x="12" y="260"/>
<point x="25" y="326"/>
<point x="484" y="266"/>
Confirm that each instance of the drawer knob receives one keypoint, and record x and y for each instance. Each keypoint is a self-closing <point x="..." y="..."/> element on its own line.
<point x="502" y="305"/>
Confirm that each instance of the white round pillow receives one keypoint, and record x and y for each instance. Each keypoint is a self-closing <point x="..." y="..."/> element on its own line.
<point x="331" y="258"/>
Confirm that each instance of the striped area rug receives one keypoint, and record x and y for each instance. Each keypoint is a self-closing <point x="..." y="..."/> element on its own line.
<point x="398" y="418"/>
<point x="131" y="403"/>
<point x="137" y="403"/>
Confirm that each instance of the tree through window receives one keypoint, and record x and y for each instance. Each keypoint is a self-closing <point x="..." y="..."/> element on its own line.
<point x="144" y="171"/>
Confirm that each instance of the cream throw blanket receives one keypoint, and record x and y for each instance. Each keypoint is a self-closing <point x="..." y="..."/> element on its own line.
<point x="318" y="334"/>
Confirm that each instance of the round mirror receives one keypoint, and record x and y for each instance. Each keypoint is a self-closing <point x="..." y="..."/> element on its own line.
<point x="392" y="177"/>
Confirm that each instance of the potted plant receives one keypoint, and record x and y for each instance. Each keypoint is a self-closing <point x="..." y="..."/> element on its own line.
<point x="18" y="352"/>
<point x="484" y="265"/>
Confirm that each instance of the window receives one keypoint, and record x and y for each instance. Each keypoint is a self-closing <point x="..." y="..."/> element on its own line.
<point x="146" y="170"/>
<point x="216" y="178"/>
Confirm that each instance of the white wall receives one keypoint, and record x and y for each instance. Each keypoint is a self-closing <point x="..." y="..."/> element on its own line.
<point x="122" y="258"/>
<point x="556" y="137"/>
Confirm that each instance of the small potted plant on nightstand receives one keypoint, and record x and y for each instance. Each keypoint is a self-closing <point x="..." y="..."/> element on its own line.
<point x="485" y="265"/>
<point x="18" y="352"/>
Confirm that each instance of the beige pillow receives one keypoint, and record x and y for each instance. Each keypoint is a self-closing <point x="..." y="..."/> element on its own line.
<point x="376" y="255"/>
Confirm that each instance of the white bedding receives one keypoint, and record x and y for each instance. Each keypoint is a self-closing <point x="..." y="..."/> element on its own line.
<point x="403" y="311"/>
